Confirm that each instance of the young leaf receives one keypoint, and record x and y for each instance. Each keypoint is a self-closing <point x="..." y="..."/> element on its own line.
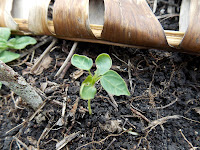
<point x="103" y="63"/>
<point x="3" y="45"/>
<point x="82" y="62"/>
<point x="7" y="56"/>
<point x="88" y="80"/>
<point x="87" y="91"/>
<point x="113" y="83"/>
<point x="4" y="33"/>
<point x="21" y="42"/>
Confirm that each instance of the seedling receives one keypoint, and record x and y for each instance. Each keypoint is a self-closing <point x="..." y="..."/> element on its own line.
<point x="13" y="43"/>
<point x="110" y="80"/>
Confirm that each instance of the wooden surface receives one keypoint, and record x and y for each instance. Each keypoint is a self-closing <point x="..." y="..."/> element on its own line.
<point x="71" y="19"/>
<point x="191" y="41"/>
<point x="173" y="37"/>
<point x="132" y="22"/>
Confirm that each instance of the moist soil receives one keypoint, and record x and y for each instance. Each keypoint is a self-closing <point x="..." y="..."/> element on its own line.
<point x="161" y="113"/>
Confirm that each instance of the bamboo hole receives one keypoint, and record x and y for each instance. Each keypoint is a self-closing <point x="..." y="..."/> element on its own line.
<point x="96" y="16"/>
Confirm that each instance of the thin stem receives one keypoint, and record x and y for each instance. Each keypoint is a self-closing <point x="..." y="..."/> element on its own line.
<point x="90" y="72"/>
<point x="89" y="107"/>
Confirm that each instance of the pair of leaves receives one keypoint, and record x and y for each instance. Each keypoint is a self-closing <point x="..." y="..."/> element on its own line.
<point x="110" y="80"/>
<point x="13" y="43"/>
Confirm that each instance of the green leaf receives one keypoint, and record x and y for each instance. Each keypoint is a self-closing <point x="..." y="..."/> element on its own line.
<point x="3" y="45"/>
<point x="87" y="91"/>
<point x="0" y="85"/>
<point x="88" y="80"/>
<point x="103" y="63"/>
<point x="5" y="33"/>
<point x="21" y="42"/>
<point x="113" y="83"/>
<point x="7" y="56"/>
<point x="82" y="62"/>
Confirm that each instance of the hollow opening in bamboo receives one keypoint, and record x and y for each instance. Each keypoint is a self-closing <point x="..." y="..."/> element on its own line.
<point x="20" y="9"/>
<point x="96" y="16"/>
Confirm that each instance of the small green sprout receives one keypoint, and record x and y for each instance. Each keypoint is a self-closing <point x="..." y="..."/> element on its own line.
<point x="110" y="80"/>
<point x="19" y="42"/>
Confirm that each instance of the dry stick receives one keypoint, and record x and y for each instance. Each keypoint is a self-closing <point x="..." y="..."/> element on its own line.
<point x="139" y="114"/>
<point x="67" y="59"/>
<point x="113" y="100"/>
<point x="44" y="133"/>
<point x="186" y="139"/>
<point x="101" y="141"/>
<point x="65" y="70"/>
<point x="114" y="139"/>
<point x="163" y="107"/>
<point x="155" y="5"/>
<point x="66" y="140"/>
<point x="21" y="143"/>
<point x="32" y="116"/>
<point x="19" y="86"/>
<point x="161" y="121"/>
<point x="48" y="49"/>
<point x="129" y="75"/>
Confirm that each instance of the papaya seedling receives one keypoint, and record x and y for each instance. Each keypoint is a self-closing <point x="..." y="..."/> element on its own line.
<point x="19" y="42"/>
<point x="13" y="43"/>
<point x="110" y="80"/>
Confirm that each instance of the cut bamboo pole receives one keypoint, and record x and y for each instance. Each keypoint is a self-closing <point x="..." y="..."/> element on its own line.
<point x="174" y="38"/>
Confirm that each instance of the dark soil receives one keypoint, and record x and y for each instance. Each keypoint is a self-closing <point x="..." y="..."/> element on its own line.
<point x="165" y="84"/>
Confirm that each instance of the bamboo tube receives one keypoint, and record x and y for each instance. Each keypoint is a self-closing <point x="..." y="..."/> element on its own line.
<point x="114" y="22"/>
<point x="174" y="38"/>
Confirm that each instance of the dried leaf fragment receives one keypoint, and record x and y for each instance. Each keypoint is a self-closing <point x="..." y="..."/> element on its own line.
<point x="66" y="140"/>
<point x="197" y="110"/>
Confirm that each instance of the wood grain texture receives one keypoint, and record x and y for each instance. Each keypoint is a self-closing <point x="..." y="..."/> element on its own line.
<point x="2" y="9"/>
<point x="6" y="19"/>
<point x="71" y="18"/>
<point x="173" y="37"/>
<point x="37" y="20"/>
<point x="132" y="22"/>
<point x="191" y="40"/>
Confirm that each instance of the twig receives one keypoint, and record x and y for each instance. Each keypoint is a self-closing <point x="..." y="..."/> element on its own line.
<point x="44" y="133"/>
<point x="114" y="139"/>
<point x="108" y="99"/>
<point x="48" y="49"/>
<point x="155" y="6"/>
<point x="65" y="70"/>
<point x="120" y="59"/>
<point x="29" y="119"/>
<point x="113" y="100"/>
<point x="101" y="141"/>
<point x="160" y="121"/>
<point x="71" y="114"/>
<point x="66" y="140"/>
<point x="186" y="139"/>
<point x="139" y="114"/>
<point x="129" y="76"/>
<point x="163" y="107"/>
<point x="67" y="59"/>
<point x="19" y="86"/>
<point x="21" y="143"/>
